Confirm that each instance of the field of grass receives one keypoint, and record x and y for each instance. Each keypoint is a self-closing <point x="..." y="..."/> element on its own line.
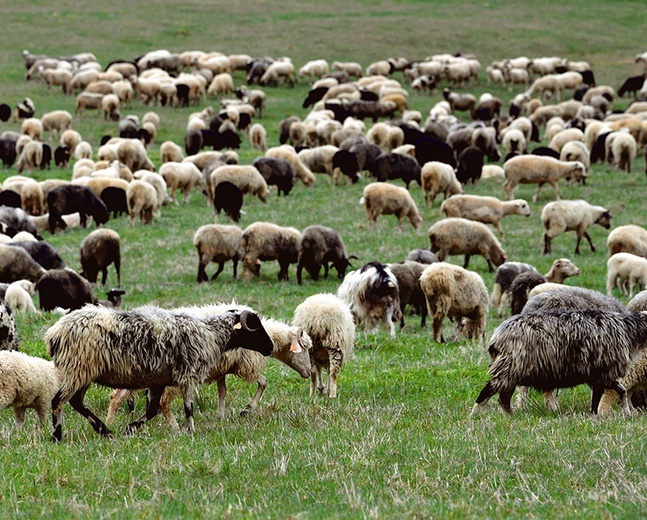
<point x="398" y="441"/>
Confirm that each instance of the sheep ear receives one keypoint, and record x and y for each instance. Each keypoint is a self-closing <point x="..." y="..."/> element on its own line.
<point x="295" y="347"/>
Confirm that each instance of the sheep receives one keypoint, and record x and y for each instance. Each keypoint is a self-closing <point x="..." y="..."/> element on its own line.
<point x="485" y="140"/>
<point x="83" y="151"/>
<point x="228" y="197"/>
<point x="437" y="177"/>
<point x="386" y="199"/>
<point x="628" y="239"/>
<point x="245" y="177"/>
<point x="258" y="137"/>
<point x="98" y="250"/>
<point x="503" y="278"/>
<point x="454" y="292"/>
<point x="114" y="299"/>
<point x="266" y="241"/>
<point x="8" y="333"/>
<point x="300" y="170"/>
<point x="561" y="349"/>
<point x="32" y="127"/>
<point x="314" y="69"/>
<point x="576" y="151"/>
<point x="488" y="210"/>
<point x="276" y="172"/>
<point x="142" y="200"/>
<point x="514" y="140"/>
<point x="221" y="84"/>
<point x="623" y="150"/>
<point x="13" y="220"/>
<point x="626" y="269"/>
<point x="353" y="68"/>
<point x="329" y="323"/>
<point x="67" y="199"/>
<point x="88" y="101"/>
<point x="422" y="256"/>
<point x="171" y="152"/>
<point x="27" y="382"/>
<point x="56" y="122"/>
<point x="572" y="215"/>
<point x="65" y="289"/>
<point x="277" y="71"/>
<point x="319" y="246"/>
<point x="30" y="157"/>
<point x="217" y="243"/>
<point x="391" y="166"/>
<point x="470" y="165"/>
<point x="41" y="252"/>
<point x="19" y="296"/>
<point x="71" y="139"/>
<point x="532" y="169"/>
<point x="320" y="160"/>
<point x="181" y="176"/>
<point x="372" y="295"/>
<point x="17" y="264"/>
<point x="151" y="348"/>
<point x="408" y="274"/>
<point x="459" y="236"/>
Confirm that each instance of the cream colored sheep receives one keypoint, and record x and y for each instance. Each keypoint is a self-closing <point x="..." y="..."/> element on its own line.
<point x="141" y="198"/>
<point x="438" y="177"/>
<point x="88" y="101"/>
<point x="124" y="91"/>
<point x="263" y="241"/>
<point x="319" y="159"/>
<point x="70" y="138"/>
<point x="353" y="68"/>
<point x="258" y="137"/>
<point x="623" y="150"/>
<point x="171" y="152"/>
<point x="628" y="239"/>
<point x="490" y="171"/>
<point x="56" y="122"/>
<point x="221" y="84"/>
<point x="246" y="177"/>
<point x="576" y="151"/>
<point x="540" y="170"/>
<point x="217" y="243"/>
<point x="488" y="210"/>
<point x="456" y="293"/>
<point x="301" y="171"/>
<point x="314" y="69"/>
<point x="279" y="70"/>
<point x="626" y="269"/>
<point x="98" y="184"/>
<point x="158" y="182"/>
<point x="514" y="140"/>
<point x="83" y="151"/>
<point x="381" y="198"/>
<point x="572" y="215"/>
<point x="30" y="157"/>
<point x="19" y="296"/>
<point x="377" y="134"/>
<point x="183" y="176"/>
<point x="561" y="138"/>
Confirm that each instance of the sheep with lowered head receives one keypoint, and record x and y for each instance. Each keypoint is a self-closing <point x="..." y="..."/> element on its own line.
<point x="217" y="243"/>
<point x="329" y="323"/>
<point x="381" y="198"/>
<point x="65" y="289"/>
<point x="246" y="177"/>
<point x="460" y="236"/>
<point x="488" y="210"/>
<point x="17" y="264"/>
<point x="264" y="241"/>
<point x="19" y="296"/>
<point x="319" y="246"/>
<point x="540" y="170"/>
<point x="455" y="293"/>
<point x="626" y="269"/>
<point x="438" y="177"/>
<point x="67" y="199"/>
<point x="628" y="239"/>
<point x="408" y="274"/>
<point x="300" y="170"/>
<point x="572" y="215"/>
<point x="142" y="200"/>
<point x="183" y="176"/>
<point x="98" y="250"/>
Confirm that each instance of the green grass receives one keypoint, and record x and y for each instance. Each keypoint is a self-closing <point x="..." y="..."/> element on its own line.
<point x="398" y="441"/>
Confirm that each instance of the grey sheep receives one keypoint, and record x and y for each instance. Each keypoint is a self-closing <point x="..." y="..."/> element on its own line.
<point x="319" y="246"/>
<point x="423" y="256"/>
<point x="408" y="274"/>
<point x="17" y="264"/>
<point x="65" y="289"/>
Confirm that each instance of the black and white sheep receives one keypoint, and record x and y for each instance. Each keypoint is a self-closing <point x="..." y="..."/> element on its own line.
<point x="8" y="332"/>
<point x="320" y="246"/>
<point x="151" y="348"/>
<point x="98" y="250"/>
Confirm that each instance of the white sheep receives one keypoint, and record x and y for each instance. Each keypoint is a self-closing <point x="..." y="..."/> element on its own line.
<point x="171" y="152"/>
<point x="488" y="210"/>
<point x="622" y="150"/>
<point x="540" y="170"/>
<point x="353" y="68"/>
<point x="70" y="138"/>
<point x="626" y="269"/>
<point x="572" y="215"/>
<point x="314" y="69"/>
<point x="320" y="159"/>
<point x="301" y="171"/>
<point x="19" y="296"/>
<point x="438" y="177"/>
<point x="183" y="176"/>
<point x="27" y="382"/>
<point x="33" y="127"/>
<point x="56" y="122"/>
<point x="490" y="171"/>
<point x="514" y="140"/>
<point x="246" y="177"/>
<point x="628" y="239"/>
<point x="455" y="293"/>
<point x="576" y="151"/>
<point x="329" y="323"/>
<point x="142" y="200"/>
<point x="221" y="84"/>
<point x="88" y="101"/>
<point x="565" y="136"/>
<point x="217" y="243"/>
<point x="381" y="198"/>
<point x="258" y="137"/>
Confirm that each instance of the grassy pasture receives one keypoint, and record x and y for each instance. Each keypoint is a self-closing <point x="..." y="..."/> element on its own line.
<point x="398" y="440"/>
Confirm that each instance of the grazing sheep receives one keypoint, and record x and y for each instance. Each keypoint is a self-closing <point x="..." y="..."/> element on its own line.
<point x="66" y="199"/>
<point x="626" y="269"/>
<point x="30" y="157"/>
<point x="98" y="250"/>
<point x="391" y="166"/>
<point x="372" y="295"/>
<point x="258" y="137"/>
<point x="228" y="197"/>
<point x="470" y="165"/>
<point x="300" y="170"/>
<point x="628" y="239"/>
<point x="150" y="348"/>
<point x="13" y="220"/>
<point x="142" y="200"/>
<point x="572" y="215"/>
<point x="171" y="152"/>
<point x="65" y="289"/>
<point x="320" y="159"/>
<point x="41" y="252"/>
<point x="19" y="296"/>
<point x="27" y="382"/>
<point x="422" y="256"/>
<point x="576" y="151"/>
<point x="535" y="169"/>
<point x="459" y="236"/>
<point x="503" y="278"/>
<point x="623" y="151"/>
<point x="386" y="199"/>
<point x="488" y="210"/>
<point x="56" y="122"/>
<point x="408" y="274"/>
<point x="17" y="264"/>
<point x="276" y="172"/>
<point x="245" y="177"/>
<point x="217" y="243"/>
<point x="329" y="323"/>
<point x="183" y="176"/>
<point x="88" y="101"/>
<point x="266" y="241"/>
<point x="514" y="140"/>
<point x="456" y="293"/>
<point x="115" y="200"/>
<point x="319" y="246"/>
<point x="438" y="177"/>
<point x="560" y="349"/>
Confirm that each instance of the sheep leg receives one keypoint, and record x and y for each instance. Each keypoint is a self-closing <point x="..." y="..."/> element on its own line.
<point x="77" y="402"/>
<point x="187" y="395"/>
<point x="624" y="397"/>
<point x="596" y="395"/>
<point x="168" y="396"/>
<point x="316" y="380"/>
<point x="536" y="195"/>
<point x="116" y="398"/>
<point x="253" y="404"/>
<point x="467" y="261"/>
<point x="588" y="237"/>
<point x="438" y="322"/>
<point x="547" y="244"/>
<point x="483" y="397"/>
<point x="152" y="409"/>
<point x="504" y="400"/>
<point x="333" y="371"/>
<point x="283" y="271"/>
<point x="222" y="393"/>
<point x="19" y="416"/>
<point x="221" y="266"/>
<point x="423" y="313"/>
<point x="104" y="275"/>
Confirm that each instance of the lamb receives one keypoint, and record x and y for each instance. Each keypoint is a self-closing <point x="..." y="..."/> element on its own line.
<point x="142" y="200"/>
<point x="408" y="274"/>
<point x="266" y="241"/>
<point x="561" y="349"/>
<point x="151" y="348"/>
<point x="300" y="170"/>
<point x="391" y="166"/>
<point x="488" y="210"/>
<point x="386" y="199"/>
<point x="217" y="243"/>
<point x="183" y="176"/>
<point x="98" y="250"/>
<point x="372" y="296"/>
<point x="459" y="236"/>
<point x="628" y="239"/>
<point x="67" y="199"/>
<point x="19" y="296"/>
<point x="65" y="289"/>
<point x="438" y="177"/>
<point x="171" y="152"/>
<point x="8" y="333"/>
<point x="626" y="269"/>
<point x="27" y="382"/>
<point x="572" y="215"/>
<point x="276" y="172"/>
<point x="319" y="246"/>
<point x="503" y="279"/>
<point x="17" y="264"/>
<point x="454" y="292"/>
<point x="114" y="299"/>
<point x="246" y="177"/>
<point x="535" y="169"/>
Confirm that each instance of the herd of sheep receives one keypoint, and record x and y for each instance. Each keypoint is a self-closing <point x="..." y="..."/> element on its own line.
<point x="558" y="336"/>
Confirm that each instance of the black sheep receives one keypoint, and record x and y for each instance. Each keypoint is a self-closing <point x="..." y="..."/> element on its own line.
<point x="470" y="165"/>
<point x="430" y="149"/>
<point x="115" y="200"/>
<point x="182" y="93"/>
<point x="632" y="85"/>
<point x="42" y="252"/>
<point x="46" y="160"/>
<point x="391" y="166"/>
<point x="276" y="172"/>
<point x="65" y="289"/>
<point x="545" y="151"/>
<point x="10" y="199"/>
<point x="598" y="150"/>
<point x="193" y="142"/>
<point x="7" y="151"/>
<point x="347" y="163"/>
<point x="367" y="154"/>
<point x="220" y="140"/>
<point x="5" y="112"/>
<point x="319" y="246"/>
<point x="62" y="156"/>
<point x="228" y="198"/>
<point x="284" y="128"/>
<point x="70" y="198"/>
